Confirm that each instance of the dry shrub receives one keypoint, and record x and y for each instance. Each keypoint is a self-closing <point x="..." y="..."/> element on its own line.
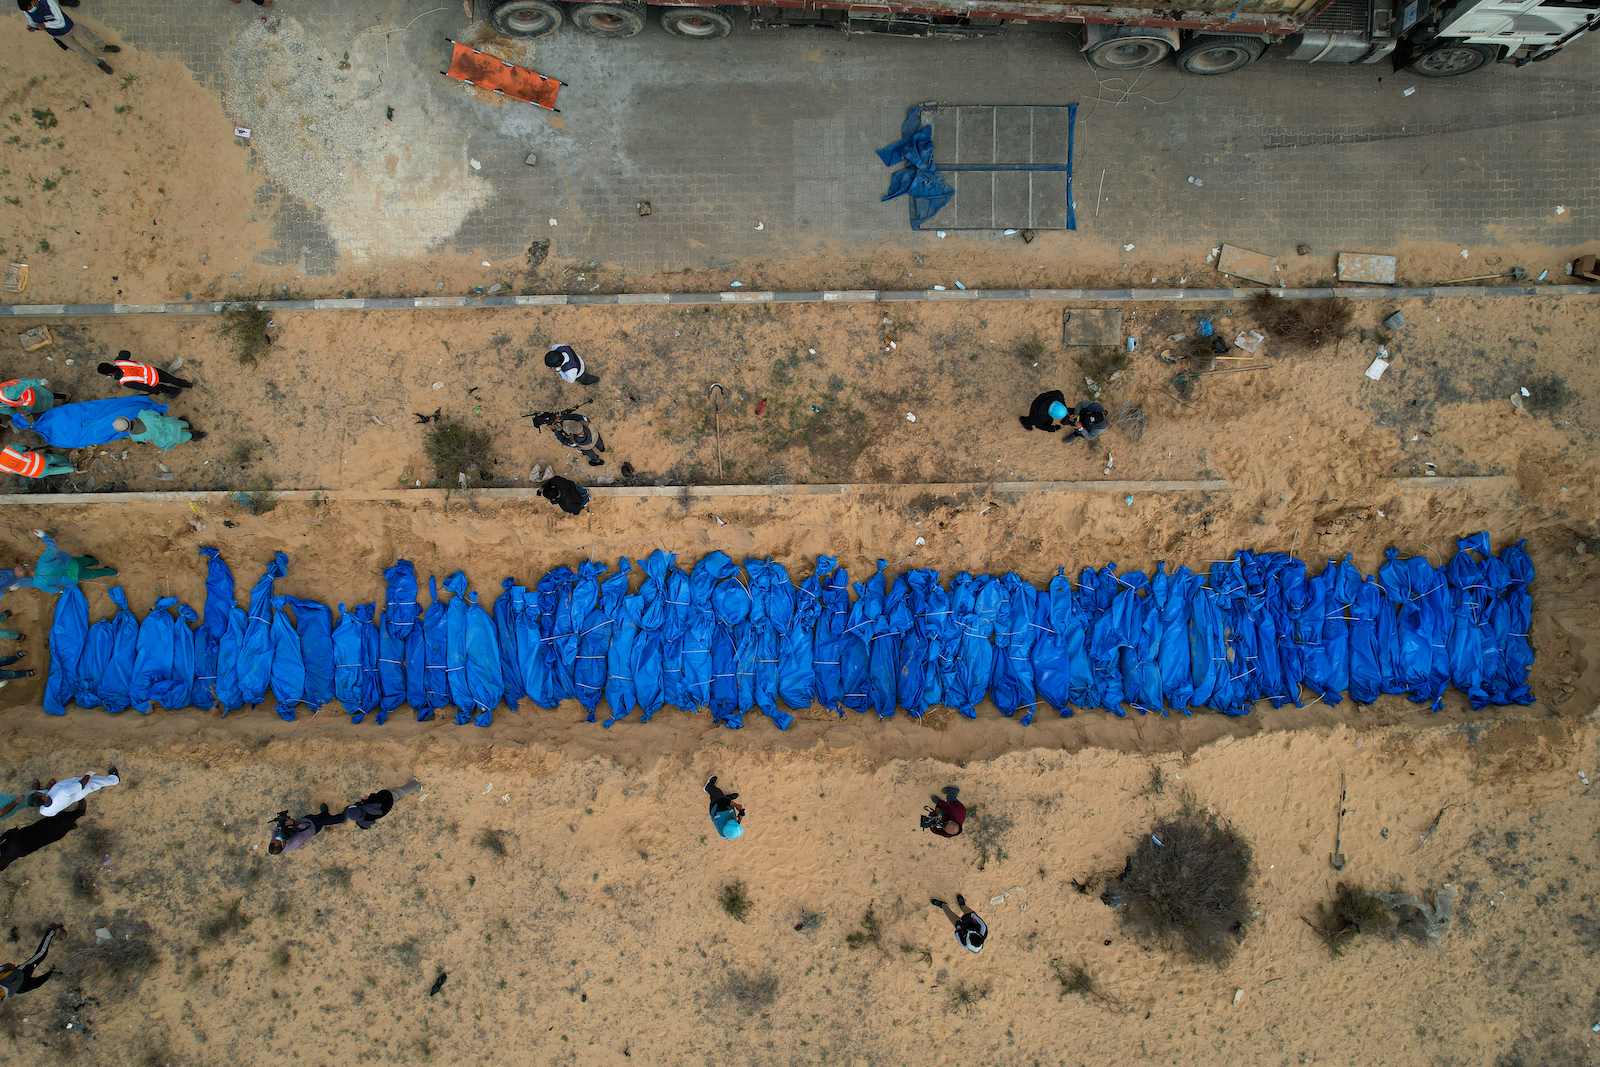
<point x="734" y="901"/>
<point x="871" y="933"/>
<point x="1354" y="912"/>
<point x="1185" y="885"/>
<point x="1302" y="324"/>
<point x="244" y="325"/>
<point x="458" y="454"/>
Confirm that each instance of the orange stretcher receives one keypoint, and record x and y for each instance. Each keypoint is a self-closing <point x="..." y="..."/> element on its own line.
<point x="487" y="72"/>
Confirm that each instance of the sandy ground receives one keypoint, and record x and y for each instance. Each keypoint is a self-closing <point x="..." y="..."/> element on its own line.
<point x="571" y="897"/>
<point x="332" y="404"/>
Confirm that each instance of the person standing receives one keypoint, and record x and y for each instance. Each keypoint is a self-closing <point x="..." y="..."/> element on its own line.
<point x="166" y="432"/>
<point x="565" y="493"/>
<point x="26" y="463"/>
<point x="290" y="834"/>
<point x="1088" y="420"/>
<point x="1046" y="409"/>
<point x="6" y="661"/>
<point x="56" y="569"/>
<point x="20" y="841"/>
<point x="30" y="396"/>
<point x="142" y="377"/>
<point x="18" y="978"/>
<point x="55" y="797"/>
<point x="726" y="816"/>
<point x="376" y="805"/>
<point x="971" y="931"/>
<point x="47" y="15"/>
<point x="947" y="816"/>
<point x="567" y="363"/>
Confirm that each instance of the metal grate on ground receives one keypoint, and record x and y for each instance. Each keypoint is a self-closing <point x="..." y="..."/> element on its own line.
<point x="1010" y="165"/>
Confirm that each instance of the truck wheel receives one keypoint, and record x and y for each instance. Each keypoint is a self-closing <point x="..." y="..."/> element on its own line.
<point x="697" y="23"/>
<point x="1128" y="53"/>
<point x="525" y="18"/>
<point x="1219" y="55"/>
<point x="609" y="20"/>
<point x="1449" y="58"/>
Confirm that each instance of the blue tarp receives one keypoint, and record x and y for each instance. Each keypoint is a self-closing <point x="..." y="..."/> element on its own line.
<point x="86" y="423"/>
<point x="919" y="178"/>
<point x="1253" y="628"/>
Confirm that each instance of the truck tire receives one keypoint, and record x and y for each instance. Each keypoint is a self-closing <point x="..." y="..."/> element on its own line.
<point x="1445" y="59"/>
<point x="609" y="20"/>
<point x="1219" y="55"/>
<point x="1128" y="53"/>
<point x="697" y="23"/>
<point x="525" y="18"/>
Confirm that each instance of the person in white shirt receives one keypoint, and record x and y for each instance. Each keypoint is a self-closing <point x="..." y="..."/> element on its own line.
<point x="567" y="363"/>
<point x="58" y="796"/>
<point x="971" y="931"/>
<point x="70" y="36"/>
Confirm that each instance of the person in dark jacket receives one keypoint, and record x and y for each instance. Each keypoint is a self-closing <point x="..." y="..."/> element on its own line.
<point x="565" y="493"/>
<point x="947" y="816"/>
<point x="1046" y="409"/>
<point x="971" y="931"/>
<point x="20" y="841"/>
<point x="18" y="978"/>
<point x="567" y="363"/>
<point x="1087" y="420"/>
<point x="142" y="377"/>
<point x="375" y="806"/>
<point x="290" y="834"/>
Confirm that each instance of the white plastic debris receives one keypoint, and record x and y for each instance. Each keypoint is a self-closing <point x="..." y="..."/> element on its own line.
<point x="923" y="541"/>
<point x="735" y="285"/>
<point x="1379" y="365"/>
<point x="487" y="788"/>
<point x="761" y="225"/>
<point x="960" y="286"/>
<point x="486" y="263"/>
<point x="102" y="934"/>
<point x="242" y="131"/>
<point x="438" y="385"/>
<point x="1524" y="391"/>
<point x="1127" y="248"/>
<point x="941" y="233"/>
<point x="1238" y="995"/>
<point x="1195" y="181"/>
<point x="910" y="417"/>
<point x="1380" y="513"/>
<point x="1409" y="91"/>
<point x="1560" y="210"/>
<point x="1463" y="253"/>
<point x="552" y="222"/>
<point x="938" y="288"/>
<point x="1249" y="342"/>
<point x="475" y="164"/>
<point x="813" y="351"/>
<point x="1010" y="233"/>
<point x="1111" y="461"/>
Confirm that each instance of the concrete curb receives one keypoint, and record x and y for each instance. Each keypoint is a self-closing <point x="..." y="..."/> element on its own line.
<point x="438" y="496"/>
<point x="841" y="296"/>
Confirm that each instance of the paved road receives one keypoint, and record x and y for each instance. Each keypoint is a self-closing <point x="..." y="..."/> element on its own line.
<point x="779" y="127"/>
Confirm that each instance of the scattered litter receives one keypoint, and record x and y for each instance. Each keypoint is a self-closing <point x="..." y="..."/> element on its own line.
<point x="1157" y="840"/>
<point x="960" y="286"/>
<point x="1380" y="513"/>
<point x="910" y="417"/>
<point x="1397" y="321"/>
<point x="69" y="362"/>
<point x="1009" y="233"/>
<point x="1302" y="250"/>
<point x="761" y="225"/>
<point x="102" y="934"/>
<point x="242" y="131"/>
<point x="438" y="385"/>
<point x="475" y="164"/>
<point x="1127" y="248"/>
<point x="645" y="208"/>
<point x="735" y="285"/>
<point x="379" y="421"/>
<point x="1249" y="341"/>
<point x="1238" y="994"/>
<point x="1524" y="391"/>
<point x="486" y="263"/>
<point x="938" y="289"/>
<point x="486" y="789"/>
<point x="532" y="160"/>
<point x="1560" y="210"/>
<point x="1463" y="253"/>
<point x="164" y="468"/>
<point x="1543" y="275"/>
<point x="1133" y="343"/>
<point x="1409" y="91"/>
<point x="495" y="288"/>
<point x="1128" y="500"/>
<point x="552" y="222"/>
<point x="760" y="407"/>
<point x="166" y="477"/>
<point x="812" y="351"/>
<point x="1379" y="365"/>
<point x="1111" y="461"/>
<point x="1195" y="181"/>
<point x="941" y="233"/>
<point x="505" y="798"/>
<point x="720" y="520"/>
<point x="923" y="541"/>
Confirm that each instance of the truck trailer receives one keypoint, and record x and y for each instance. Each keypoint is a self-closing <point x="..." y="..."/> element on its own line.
<point x="1430" y="38"/>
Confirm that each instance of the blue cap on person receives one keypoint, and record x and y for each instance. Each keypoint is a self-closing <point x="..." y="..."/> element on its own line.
<point x="1058" y="410"/>
<point x="731" y="829"/>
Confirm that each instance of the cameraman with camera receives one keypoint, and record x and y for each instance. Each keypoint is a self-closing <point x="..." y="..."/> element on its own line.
<point x="946" y="816"/>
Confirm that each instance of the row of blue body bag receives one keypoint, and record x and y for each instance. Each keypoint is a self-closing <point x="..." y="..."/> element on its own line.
<point x="1257" y="627"/>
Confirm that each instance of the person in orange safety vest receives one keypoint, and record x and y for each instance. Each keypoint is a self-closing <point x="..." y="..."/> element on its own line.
<point x="142" y="377"/>
<point x="30" y="396"/>
<point x="31" y="464"/>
